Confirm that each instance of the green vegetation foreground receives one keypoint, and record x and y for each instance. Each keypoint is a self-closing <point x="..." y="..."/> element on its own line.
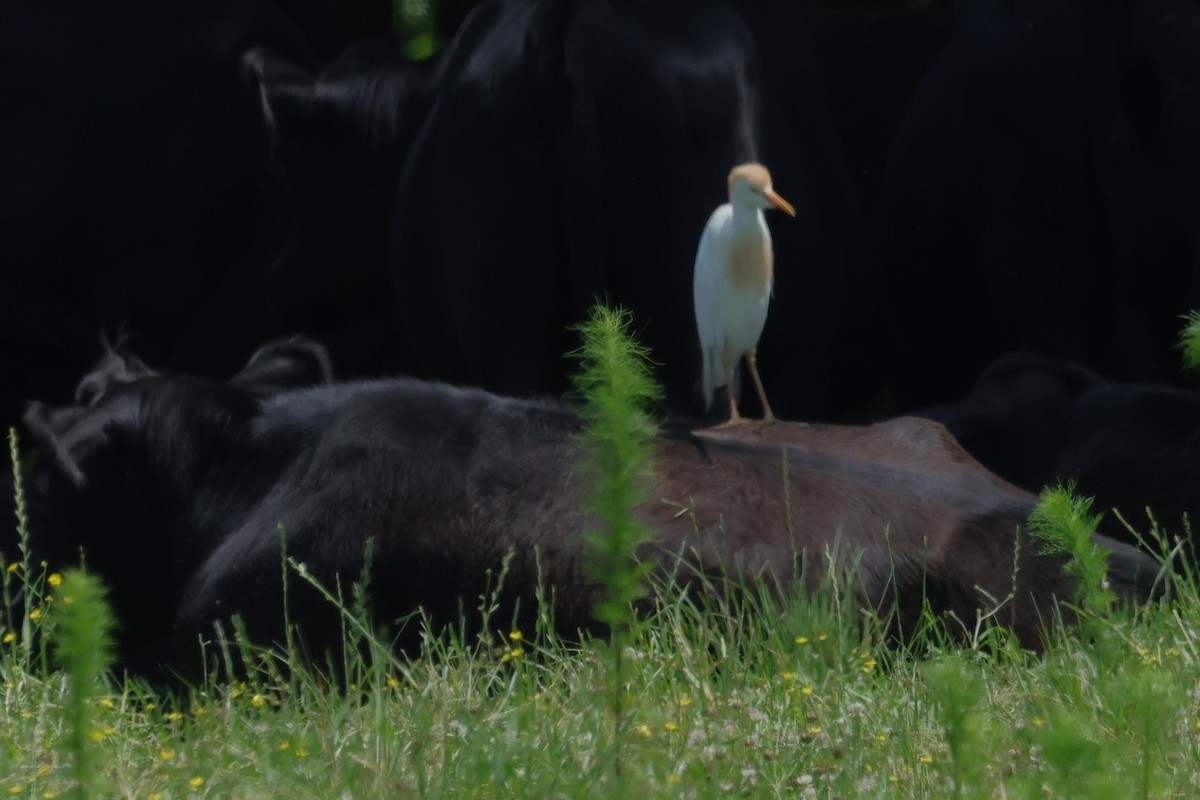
<point x="751" y="698"/>
<point x="745" y="694"/>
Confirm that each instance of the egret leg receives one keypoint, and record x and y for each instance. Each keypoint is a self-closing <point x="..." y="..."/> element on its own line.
<point x="752" y="362"/>
<point x="727" y="362"/>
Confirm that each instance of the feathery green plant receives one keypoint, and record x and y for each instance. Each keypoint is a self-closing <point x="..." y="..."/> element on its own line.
<point x="1189" y="342"/>
<point x="617" y="388"/>
<point x="83" y="648"/>
<point x="29" y="583"/>
<point x="617" y="441"/>
<point x="1064" y="524"/>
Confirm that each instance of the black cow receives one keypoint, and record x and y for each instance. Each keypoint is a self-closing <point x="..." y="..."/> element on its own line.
<point x="873" y="56"/>
<point x="576" y="149"/>
<point x="292" y="363"/>
<point x="1044" y="192"/>
<point x="1039" y="422"/>
<point x="181" y="491"/>
<point x="1017" y="418"/>
<point x="138" y="183"/>
<point x="340" y="136"/>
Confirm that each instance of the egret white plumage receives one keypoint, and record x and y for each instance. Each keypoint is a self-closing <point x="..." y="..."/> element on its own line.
<point x="732" y="283"/>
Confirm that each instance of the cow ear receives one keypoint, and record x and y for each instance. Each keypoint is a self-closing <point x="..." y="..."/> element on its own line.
<point x="286" y="90"/>
<point x="118" y="366"/>
<point x="67" y="436"/>
<point x="292" y="363"/>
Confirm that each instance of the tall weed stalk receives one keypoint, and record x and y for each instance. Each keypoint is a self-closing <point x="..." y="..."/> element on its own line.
<point x="617" y="390"/>
<point x="83" y="648"/>
<point x="1064" y="524"/>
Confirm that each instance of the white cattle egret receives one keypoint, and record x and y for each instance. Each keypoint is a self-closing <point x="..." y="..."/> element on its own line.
<point x="732" y="283"/>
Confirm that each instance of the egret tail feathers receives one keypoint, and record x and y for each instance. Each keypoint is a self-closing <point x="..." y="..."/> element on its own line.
<point x="713" y="376"/>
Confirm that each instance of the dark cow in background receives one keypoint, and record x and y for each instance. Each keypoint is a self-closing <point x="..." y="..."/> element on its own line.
<point x="1039" y="422"/>
<point x="137" y="180"/>
<point x="873" y="57"/>
<point x="148" y="185"/>
<point x="575" y="151"/>
<point x="1044" y="193"/>
<point x="340" y="137"/>
<point x="222" y="174"/>
<point x="178" y="491"/>
<point x="1016" y="419"/>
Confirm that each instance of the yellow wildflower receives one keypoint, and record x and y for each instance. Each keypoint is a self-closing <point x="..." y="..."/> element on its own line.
<point x="55" y="579"/>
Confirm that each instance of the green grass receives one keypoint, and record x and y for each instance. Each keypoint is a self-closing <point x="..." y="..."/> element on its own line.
<point x="754" y="695"/>
<point x="748" y="694"/>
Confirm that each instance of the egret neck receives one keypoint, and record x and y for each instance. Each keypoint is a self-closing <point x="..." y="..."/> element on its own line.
<point x="751" y="257"/>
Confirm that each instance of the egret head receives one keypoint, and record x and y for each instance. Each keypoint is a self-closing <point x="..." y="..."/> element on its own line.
<point x="750" y="185"/>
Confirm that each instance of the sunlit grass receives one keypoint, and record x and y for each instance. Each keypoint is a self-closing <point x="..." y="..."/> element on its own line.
<point x="732" y="691"/>
<point x="763" y="697"/>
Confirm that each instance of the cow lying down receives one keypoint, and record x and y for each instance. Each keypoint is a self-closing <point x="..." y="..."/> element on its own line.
<point x="178" y="492"/>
